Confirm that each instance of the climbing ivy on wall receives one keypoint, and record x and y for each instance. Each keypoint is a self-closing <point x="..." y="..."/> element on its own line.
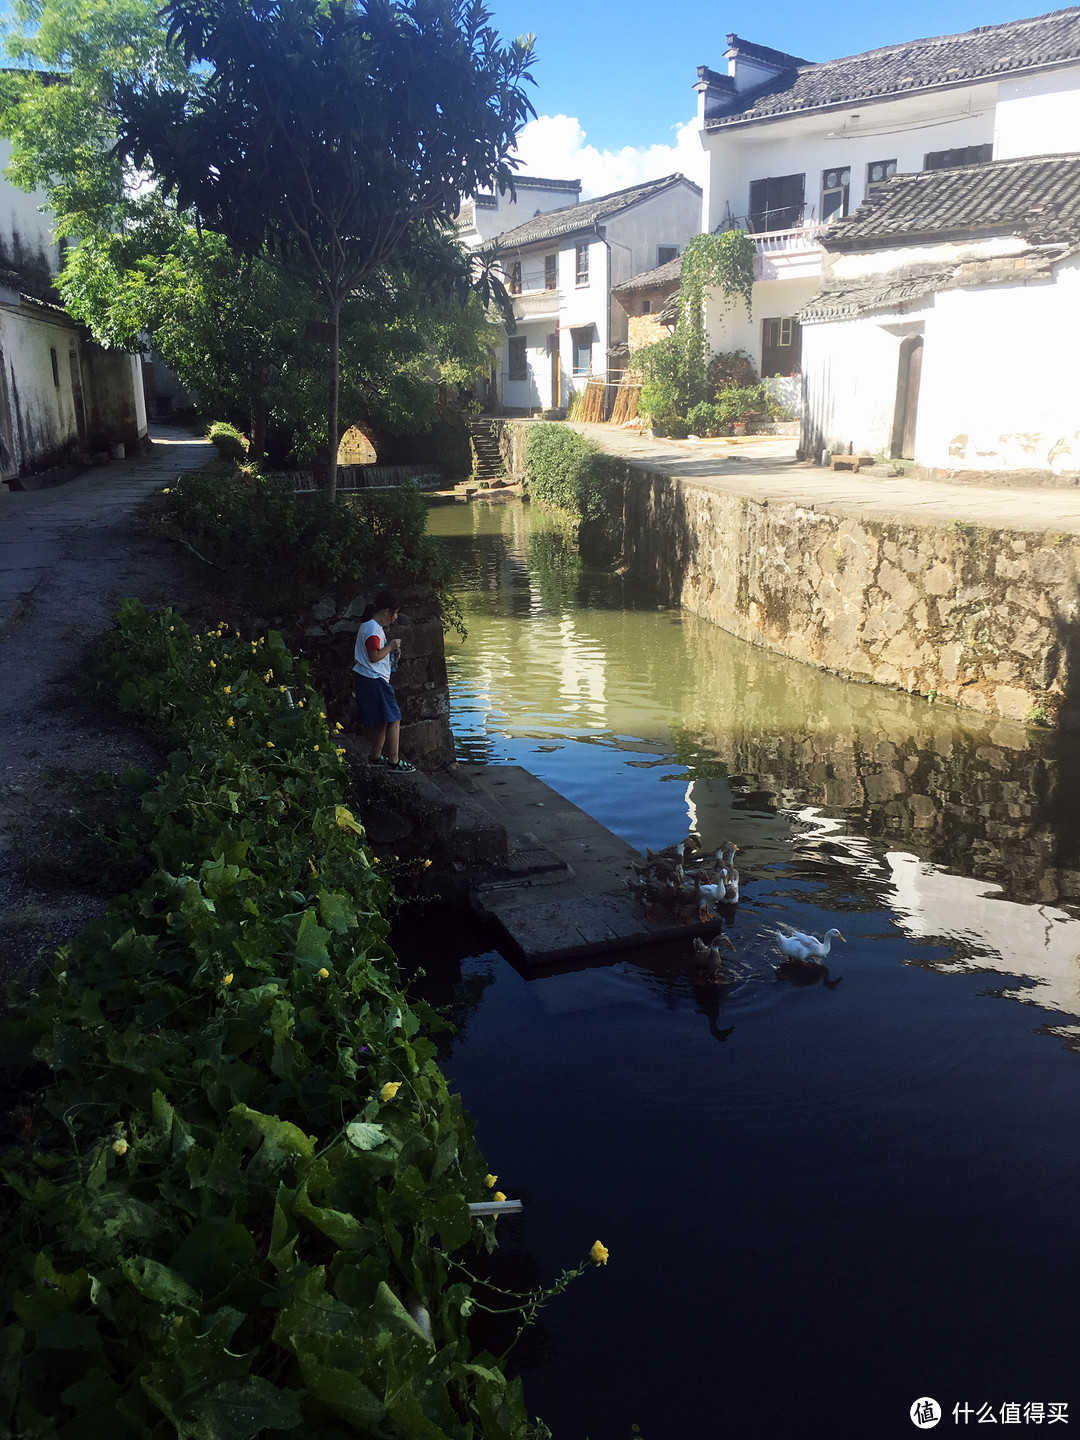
<point x="674" y="369"/>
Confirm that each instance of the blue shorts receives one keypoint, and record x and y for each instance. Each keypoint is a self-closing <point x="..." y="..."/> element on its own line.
<point x="376" y="703"/>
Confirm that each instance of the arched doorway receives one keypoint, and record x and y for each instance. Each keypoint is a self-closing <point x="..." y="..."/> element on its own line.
<point x="909" y="372"/>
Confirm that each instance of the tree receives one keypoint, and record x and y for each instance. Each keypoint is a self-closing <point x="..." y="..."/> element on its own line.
<point x="320" y="134"/>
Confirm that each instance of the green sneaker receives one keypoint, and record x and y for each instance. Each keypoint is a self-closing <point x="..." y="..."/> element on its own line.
<point x="380" y="761"/>
<point x="401" y="767"/>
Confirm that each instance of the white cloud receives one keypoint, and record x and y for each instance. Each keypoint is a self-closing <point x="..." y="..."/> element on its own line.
<point x="555" y="146"/>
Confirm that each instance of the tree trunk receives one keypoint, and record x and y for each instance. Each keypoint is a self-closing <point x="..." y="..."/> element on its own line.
<point x="332" y="411"/>
<point x="258" y="415"/>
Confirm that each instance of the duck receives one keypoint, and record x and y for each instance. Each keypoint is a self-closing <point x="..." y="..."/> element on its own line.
<point x="708" y="895"/>
<point x="652" y="893"/>
<point x="731" y="884"/>
<point x="678" y="853"/>
<point x="710" y="961"/>
<point x="796" y="945"/>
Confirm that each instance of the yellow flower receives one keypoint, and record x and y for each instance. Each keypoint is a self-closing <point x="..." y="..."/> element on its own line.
<point x="231" y="723"/>
<point x="228" y="979"/>
<point x="315" y="747"/>
<point x="389" y="1090"/>
<point x="120" y="1147"/>
<point x="338" y="727"/>
<point x="213" y="664"/>
<point x="228" y="689"/>
<point x="324" y="974"/>
<point x="166" y="491"/>
<point x="270" y="745"/>
<point x="489" y="1180"/>
<point x="172" y="629"/>
<point x="299" y="704"/>
<point x="598" y="1254"/>
<point x="498" y="1195"/>
<point x="322" y="714"/>
<point x="268" y="676"/>
<point x="427" y="864"/>
<point x="281" y="689"/>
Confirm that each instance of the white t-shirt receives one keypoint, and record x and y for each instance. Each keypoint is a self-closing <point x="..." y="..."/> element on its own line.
<point x="363" y="663"/>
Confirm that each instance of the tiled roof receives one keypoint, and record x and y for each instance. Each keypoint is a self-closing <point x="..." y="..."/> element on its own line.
<point x="981" y="54"/>
<point x="1037" y="197"/>
<point x="585" y="215"/>
<point x="666" y="274"/>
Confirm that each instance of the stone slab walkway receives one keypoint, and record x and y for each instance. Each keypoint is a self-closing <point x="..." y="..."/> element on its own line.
<point x="39" y="527"/>
<point x="765" y="468"/>
<point x="579" y="911"/>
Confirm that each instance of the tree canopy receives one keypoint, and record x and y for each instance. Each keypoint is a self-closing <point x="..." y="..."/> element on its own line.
<point x="323" y="134"/>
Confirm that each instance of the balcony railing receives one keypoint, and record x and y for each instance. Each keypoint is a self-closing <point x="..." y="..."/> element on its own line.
<point x="787" y="242"/>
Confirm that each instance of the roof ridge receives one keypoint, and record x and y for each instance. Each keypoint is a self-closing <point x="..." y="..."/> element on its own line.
<point x="899" y="45"/>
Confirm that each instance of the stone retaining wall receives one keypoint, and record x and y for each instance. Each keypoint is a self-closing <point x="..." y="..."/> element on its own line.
<point x="985" y="618"/>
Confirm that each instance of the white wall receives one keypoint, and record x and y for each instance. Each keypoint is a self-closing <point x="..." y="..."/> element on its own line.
<point x="40" y="413"/>
<point x="734" y="329"/>
<point x="901" y="130"/>
<point x="507" y="213"/>
<point x="533" y="393"/>
<point x="850" y="372"/>
<point x="998" y="387"/>
<point x="1038" y="115"/>
<point x="26" y="238"/>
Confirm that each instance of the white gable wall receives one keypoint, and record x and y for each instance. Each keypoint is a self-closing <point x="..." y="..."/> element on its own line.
<point x="1038" y="115"/>
<point x="998" y="387"/>
<point x="26" y="238"/>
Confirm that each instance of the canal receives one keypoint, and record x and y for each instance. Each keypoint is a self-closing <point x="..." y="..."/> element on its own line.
<point x="821" y="1202"/>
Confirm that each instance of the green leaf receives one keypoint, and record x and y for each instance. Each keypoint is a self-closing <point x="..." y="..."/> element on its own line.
<point x="365" y="1136"/>
<point x="238" y="1409"/>
<point x="311" y="941"/>
<point x="283" y="1135"/>
<point x="161" y="1284"/>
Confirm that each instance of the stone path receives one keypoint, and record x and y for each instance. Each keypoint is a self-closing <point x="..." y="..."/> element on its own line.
<point x="765" y="468"/>
<point x="38" y="527"/>
<point x="580" y="909"/>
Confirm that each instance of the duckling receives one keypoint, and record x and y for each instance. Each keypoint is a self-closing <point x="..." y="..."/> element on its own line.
<point x="796" y="945"/>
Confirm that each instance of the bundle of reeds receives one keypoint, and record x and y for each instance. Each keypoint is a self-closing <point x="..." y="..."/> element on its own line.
<point x="626" y="402"/>
<point x="592" y="402"/>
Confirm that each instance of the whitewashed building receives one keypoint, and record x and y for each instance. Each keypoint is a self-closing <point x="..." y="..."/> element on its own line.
<point x="483" y="216"/>
<point x="942" y="331"/>
<point x="795" y="147"/>
<point x="560" y="268"/>
<point x="62" y="398"/>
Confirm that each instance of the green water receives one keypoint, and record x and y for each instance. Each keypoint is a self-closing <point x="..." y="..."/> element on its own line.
<point x="861" y="1195"/>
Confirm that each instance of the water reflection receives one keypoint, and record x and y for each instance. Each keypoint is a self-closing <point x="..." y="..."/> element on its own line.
<point x="559" y="652"/>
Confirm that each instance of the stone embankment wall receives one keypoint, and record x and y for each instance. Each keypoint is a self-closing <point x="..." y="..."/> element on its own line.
<point x="985" y="618"/>
<point x="420" y="681"/>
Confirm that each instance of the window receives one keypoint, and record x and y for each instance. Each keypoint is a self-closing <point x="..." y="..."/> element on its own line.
<point x="777" y="203"/>
<point x="581" y="264"/>
<point x="55" y="369"/>
<point x="835" y="185"/>
<point x="951" y="159"/>
<point x="583" y="345"/>
<point x="518" y="365"/>
<point x="513" y="278"/>
<point x="646" y="306"/>
<point x="664" y="253"/>
<point x="781" y="346"/>
<point x="877" y="172"/>
<point x="551" y="272"/>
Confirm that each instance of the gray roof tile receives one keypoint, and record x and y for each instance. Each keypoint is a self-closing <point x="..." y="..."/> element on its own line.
<point x="985" y="53"/>
<point x="666" y="274"/>
<point x="585" y="215"/>
<point x="1036" y="197"/>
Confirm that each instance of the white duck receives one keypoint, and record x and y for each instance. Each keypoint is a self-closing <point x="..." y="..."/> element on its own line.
<point x="798" y="946"/>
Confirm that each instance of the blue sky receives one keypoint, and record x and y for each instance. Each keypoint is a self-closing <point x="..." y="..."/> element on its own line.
<point x="614" y="78"/>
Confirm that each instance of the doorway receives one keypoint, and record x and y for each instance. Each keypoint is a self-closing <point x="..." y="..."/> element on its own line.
<point x="909" y="373"/>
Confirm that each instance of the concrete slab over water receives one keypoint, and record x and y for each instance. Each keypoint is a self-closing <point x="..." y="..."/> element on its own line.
<point x="581" y="908"/>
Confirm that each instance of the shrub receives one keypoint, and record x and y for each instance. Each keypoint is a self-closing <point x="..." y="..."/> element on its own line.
<point x="738" y="402"/>
<point x="262" y="528"/>
<point x="705" y="419"/>
<point x="230" y="444"/>
<point x="243" y="1177"/>
<point x="568" y="473"/>
<point x="728" y="368"/>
